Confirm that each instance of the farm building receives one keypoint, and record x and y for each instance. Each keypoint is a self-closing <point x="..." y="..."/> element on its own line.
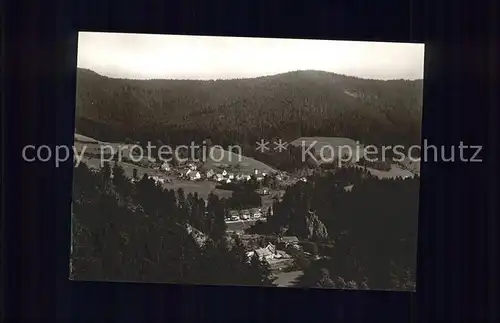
<point x="263" y="191"/>
<point x="268" y="253"/>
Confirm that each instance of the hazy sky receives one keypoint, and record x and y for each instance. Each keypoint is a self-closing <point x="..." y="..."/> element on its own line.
<point x="143" y="56"/>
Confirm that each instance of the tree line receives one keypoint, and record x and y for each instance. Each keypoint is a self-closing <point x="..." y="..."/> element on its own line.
<point x="241" y="112"/>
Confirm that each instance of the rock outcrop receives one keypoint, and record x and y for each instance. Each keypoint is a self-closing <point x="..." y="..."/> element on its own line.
<point x="316" y="229"/>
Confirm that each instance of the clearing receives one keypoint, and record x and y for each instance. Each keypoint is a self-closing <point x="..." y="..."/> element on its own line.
<point x="287" y="279"/>
<point x="331" y="146"/>
<point x="223" y="159"/>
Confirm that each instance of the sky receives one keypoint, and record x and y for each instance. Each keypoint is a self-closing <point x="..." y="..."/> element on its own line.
<point x="147" y="56"/>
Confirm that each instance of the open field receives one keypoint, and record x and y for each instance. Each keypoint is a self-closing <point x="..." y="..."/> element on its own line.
<point x="223" y="159"/>
<point x="85" y="139"/>
<point x="413" y="166"/>
<point x="93" y="146"/>
<point x="217" y="159"/>
<point x="203" y="188"/>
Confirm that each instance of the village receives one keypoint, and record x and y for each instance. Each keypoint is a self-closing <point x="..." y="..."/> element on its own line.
<point x="197" y="177"/>
<point x="280" y="252"/>
<point x="286" y="255"/>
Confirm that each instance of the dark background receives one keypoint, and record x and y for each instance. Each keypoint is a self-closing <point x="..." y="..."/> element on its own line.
<point x="458" y="204"/>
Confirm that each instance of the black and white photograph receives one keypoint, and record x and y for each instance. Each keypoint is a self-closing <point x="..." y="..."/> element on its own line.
<point x="235" y="161"/>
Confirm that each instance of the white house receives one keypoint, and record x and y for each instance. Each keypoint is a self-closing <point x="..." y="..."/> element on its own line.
<point x="224" y="173"/>
<point x="194" y="175"/>
<point x="230" y="176"/>
<point x="268" y="253"/>
<point x="257" y="214"/>
<point x="165" y="167"/>
<point x="348" y="188"/>
<point x="219" y="177"/>
<point x="228" y="180"/>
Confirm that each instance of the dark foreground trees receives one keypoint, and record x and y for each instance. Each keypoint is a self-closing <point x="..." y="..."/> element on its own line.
<point x="138" y="232"/>
<point x="372" y="227"/>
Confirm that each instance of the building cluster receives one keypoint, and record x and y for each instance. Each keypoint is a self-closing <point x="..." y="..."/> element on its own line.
<point x="273" y="252"/>
<point x="191" y="171"/>
<point x="247" y="214"/>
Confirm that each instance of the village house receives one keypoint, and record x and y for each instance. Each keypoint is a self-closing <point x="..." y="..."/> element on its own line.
<point x="348" y="188"/>
<point x="224" y="173"/>
<point x="219" y="177"/>
<point x="193" y="175"/>
<point x="234" y="215"/>
<point x="245" y="215"/>
<point x="263" y="191"/>
<point x="257" y="214"/>
<point x="210" y="173"/>
<point x="267" y="253"/>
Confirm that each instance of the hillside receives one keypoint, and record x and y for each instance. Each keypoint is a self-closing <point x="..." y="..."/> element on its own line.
<point x="241" y="111"/>
<point x="223" y="159"/>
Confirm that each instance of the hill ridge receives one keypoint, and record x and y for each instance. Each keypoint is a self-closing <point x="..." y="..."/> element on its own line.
<point x="243" y="111"/>
<point x="304" y="72"/>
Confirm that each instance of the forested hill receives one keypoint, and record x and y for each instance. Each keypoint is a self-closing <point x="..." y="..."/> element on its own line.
<point x="241" y="111"/>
